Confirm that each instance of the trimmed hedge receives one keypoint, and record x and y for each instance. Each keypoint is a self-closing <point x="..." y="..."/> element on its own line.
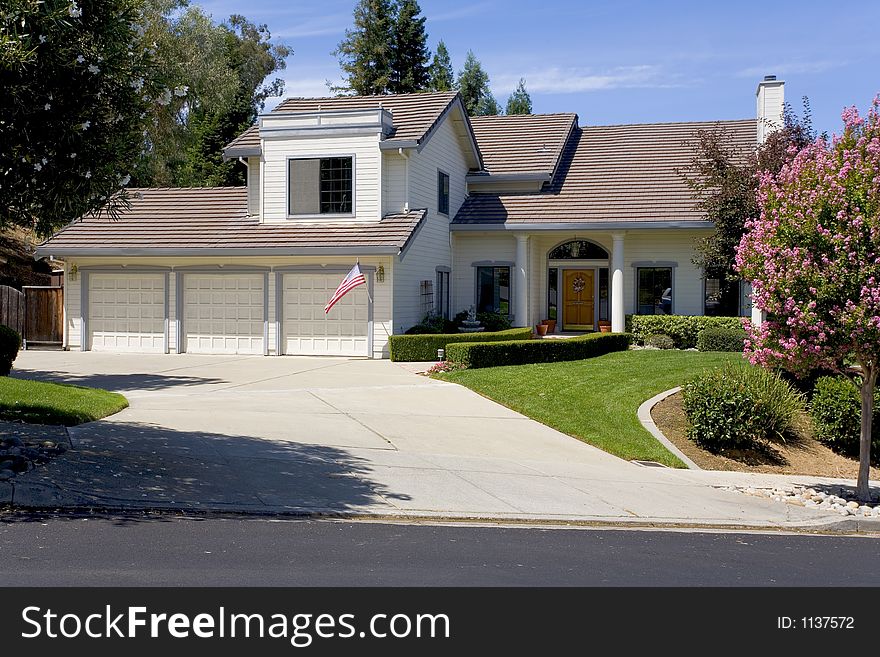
<point x="721" y="338"/>
<point x="424" y="347"/>
<point x="492" y="354"/>
<point x="836" y="408"/>
<point x="683" y="329"/>
<point x="10" y="341"/>
<point x="740" y="406"/>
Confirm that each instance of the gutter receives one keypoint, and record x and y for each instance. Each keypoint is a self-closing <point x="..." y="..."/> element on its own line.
<point x="593" y="225"/>
<point x="52" y="251"/>
<point x="541" y="176"/>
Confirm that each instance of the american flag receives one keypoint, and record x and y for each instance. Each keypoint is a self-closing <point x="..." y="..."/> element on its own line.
<point x="354" y="278"/>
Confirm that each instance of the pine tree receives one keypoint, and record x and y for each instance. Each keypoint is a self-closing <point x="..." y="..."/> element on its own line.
<point x="442" y="77"/>
<point x="409" y="51"/>
<point x="365" y="54"/>
<point x="488" y="105"/>
<point x="473" y="84"/>
<point x="519" y="101"/>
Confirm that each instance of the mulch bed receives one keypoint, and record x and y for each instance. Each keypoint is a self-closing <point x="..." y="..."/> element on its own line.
<point x="805" y="457"/>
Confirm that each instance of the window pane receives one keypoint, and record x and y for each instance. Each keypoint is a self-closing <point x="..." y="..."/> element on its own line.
<point x="443" y="193"/>
<point x="303" y="177"/>
<point x="654" y="292"/>
<point x="603" y="294"/>
<point x="722" y="297"/>
<point x="578" y="250"/>
<point x="502" y="283"/>
<point x="493" y="289"/>
<point x="552" y="293"/>
<point x="335" y="190"/>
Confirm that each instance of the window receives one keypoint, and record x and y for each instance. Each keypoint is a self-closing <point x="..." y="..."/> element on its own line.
<point x="578" y="250"/>
<point x="493" y="290"/>
<point x="442" y="193"/>
<point x="654" y="291"/>
<point x="443" y="294"/>
<point x="604" y="313"/>
<point x="722" y="297"/>
<point x="320" y="186"/>
<point x="553" y="293"/>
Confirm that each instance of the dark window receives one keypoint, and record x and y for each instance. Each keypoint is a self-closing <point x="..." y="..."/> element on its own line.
<point x="603" y="294"/>
<point x="654" y="290"/>
<point x="578" y="250"/>
<point x="493" y="290"/>
<point x="442" y="193"/>
<point x="553" y="294"/>
<point x="320" y="186"/>
<point x="722" y="297"/>
<point x="443" y="294"/>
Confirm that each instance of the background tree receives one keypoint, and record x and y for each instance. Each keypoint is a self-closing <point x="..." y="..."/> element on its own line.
<point x="409" y="51"/>
<point x="519" y="101"/>
<point x="473" y="84"/>
<point x="813" y="258"/>
<point x="77" y="88"/>
<point x="488" y="105"/>
<point x="441" y="75"/>
<point x="365" y="55"/>
<point x="724" y="184"/>
<point x="223" y="69"/>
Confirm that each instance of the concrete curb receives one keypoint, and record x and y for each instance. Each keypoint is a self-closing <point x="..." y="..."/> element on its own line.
<point x="644" y="414"/>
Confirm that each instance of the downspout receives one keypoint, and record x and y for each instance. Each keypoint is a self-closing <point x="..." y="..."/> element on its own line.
<point x="405" y="156"/>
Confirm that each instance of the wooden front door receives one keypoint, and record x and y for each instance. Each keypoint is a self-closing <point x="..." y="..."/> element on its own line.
<point x="578" y="301"/>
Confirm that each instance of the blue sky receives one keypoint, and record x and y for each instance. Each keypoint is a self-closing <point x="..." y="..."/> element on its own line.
<point x="618" y="62"/>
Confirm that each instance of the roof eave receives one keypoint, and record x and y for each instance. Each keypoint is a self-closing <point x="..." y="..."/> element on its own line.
<point x="530" y="176"/>
<point x="579" y="225"/>
<point x="354" y="250"/>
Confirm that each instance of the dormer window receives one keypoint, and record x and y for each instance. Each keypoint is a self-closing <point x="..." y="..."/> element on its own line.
<point x="319" y="186"/>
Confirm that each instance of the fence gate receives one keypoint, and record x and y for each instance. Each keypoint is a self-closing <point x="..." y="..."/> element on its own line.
<point x="44" y="321"/>
<point x="12" y="308"/>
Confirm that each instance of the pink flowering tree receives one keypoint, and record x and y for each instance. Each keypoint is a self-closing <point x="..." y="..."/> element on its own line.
<point x="813" y="257"/>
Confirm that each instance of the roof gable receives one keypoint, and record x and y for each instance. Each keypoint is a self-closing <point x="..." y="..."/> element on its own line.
<point x="526" y="143"/>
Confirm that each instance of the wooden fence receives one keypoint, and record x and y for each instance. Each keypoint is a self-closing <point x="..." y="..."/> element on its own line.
<point x="12" y="308"/>
<point x="37" y="313"/>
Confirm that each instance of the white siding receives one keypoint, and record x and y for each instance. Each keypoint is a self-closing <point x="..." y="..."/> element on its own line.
<point x="430" y="246"/>
<point x="393" y="176"/>
<point x="477" y="247"/>
<point x="73" y="318"/>
<point x="367" y="158"/>
<point x="253" y="185"/>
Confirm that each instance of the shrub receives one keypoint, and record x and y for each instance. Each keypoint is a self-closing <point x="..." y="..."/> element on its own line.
<point x="683" y="329"/>
<point x="10" y="341"/>
<point x="721" y="338"/>
<point x="659" y="341"/>
<point x="424" y="347"/>
<point x="492" y="354"/>
<point x="740" y="406"/>
<point x="836" y="409"/>
<point x="432" y="324"/>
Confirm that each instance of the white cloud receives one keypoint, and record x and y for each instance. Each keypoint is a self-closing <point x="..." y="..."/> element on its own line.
<point x="789" y="68"/>
<point x="462" y="12"/>
<point x="560" y="80"/>
<point x="318" y="26"/>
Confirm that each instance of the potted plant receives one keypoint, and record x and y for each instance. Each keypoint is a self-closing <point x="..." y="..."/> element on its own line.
<point x="604" y="326"/>
<point x="541" y="329"/>
<point x="551" y="325"/>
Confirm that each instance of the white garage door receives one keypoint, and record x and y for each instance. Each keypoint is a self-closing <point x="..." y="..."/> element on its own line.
<point x="223" y="313"/>
<point x="126" y="312"/>
<point x="308" y="331"/>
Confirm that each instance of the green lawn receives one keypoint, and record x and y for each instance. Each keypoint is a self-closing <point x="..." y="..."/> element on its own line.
<point x="54" y="403"/>
<point x="594" y="400"/>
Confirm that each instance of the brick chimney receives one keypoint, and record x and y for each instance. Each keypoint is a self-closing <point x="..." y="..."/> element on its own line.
<point x="771" y="98"/>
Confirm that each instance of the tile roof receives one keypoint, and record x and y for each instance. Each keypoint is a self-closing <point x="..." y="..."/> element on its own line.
<point x="413" y="114"/>
<point x="522" y="143"/>
<point x="165" y="220"/>
<point x="616" y="173"/>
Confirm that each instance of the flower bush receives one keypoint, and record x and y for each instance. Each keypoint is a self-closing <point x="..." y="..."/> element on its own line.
<point x="813" y="258"/>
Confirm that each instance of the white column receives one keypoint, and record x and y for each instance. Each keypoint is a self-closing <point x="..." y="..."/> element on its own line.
<point x="617" y="304"/>
<point x="521" y="282"/>
<point x="757" y="315"/>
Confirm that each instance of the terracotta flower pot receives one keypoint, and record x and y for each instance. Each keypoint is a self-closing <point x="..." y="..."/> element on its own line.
<point x="541" y="329"/>
<point x="550" y="324"/>
<point x="604" y="327"/>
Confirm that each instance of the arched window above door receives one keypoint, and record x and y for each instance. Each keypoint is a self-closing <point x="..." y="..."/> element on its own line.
<point x="578" y="250"/>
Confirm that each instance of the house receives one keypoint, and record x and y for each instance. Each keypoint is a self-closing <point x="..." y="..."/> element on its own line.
<point x="530" y="216"/>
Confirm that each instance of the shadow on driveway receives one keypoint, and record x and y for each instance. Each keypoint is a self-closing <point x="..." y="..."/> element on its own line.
<point x="118" y="382"/>
<point x="137" y="466"/>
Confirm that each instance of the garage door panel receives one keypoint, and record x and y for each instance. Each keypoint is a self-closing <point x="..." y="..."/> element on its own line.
<point x="126" y="312"/>
<point x="223" y="313"/>
<point x="308" y="331"/>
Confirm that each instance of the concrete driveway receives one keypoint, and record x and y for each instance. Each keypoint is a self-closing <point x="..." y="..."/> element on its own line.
<point x="258" y="434"/>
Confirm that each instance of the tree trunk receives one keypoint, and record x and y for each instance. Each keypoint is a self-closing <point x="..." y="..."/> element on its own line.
<point x="863" y="490"/>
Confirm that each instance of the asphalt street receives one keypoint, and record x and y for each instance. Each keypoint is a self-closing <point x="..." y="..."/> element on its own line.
<point x="174" y="551"/>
